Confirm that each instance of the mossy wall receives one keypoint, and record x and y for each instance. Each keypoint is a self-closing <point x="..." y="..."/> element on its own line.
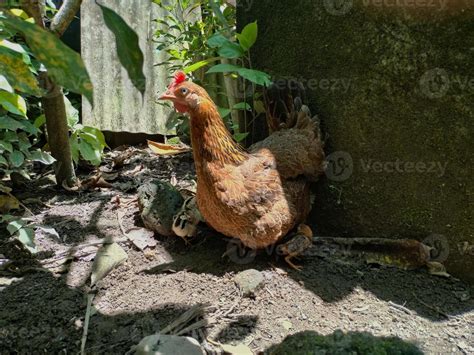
<point x="394" y="88"/>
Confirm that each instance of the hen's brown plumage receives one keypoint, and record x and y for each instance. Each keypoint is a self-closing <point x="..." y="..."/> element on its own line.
<point x="256" y="196"/>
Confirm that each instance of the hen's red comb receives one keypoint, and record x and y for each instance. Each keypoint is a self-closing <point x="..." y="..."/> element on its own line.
<point x="179" y="77"/>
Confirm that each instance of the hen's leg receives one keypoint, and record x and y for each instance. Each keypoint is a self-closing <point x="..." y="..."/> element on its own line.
<point x="293" y="266"/>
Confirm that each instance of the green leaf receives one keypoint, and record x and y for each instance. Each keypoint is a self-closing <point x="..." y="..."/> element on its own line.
<point x="97" y="134"/>
<point x="15" y="225"/>
<point x="64" y="65"/>
<point x="18" y="73"/>
<point x="255" y="76"/>
<point x="128" y="50"/>
<point x="24" y="143"/>
<point x="248" y="37"/>
<point x="223" y="112"/>
<point x="239" y="137"/>
<point x="223" y="68"/>
<point x="40" y="121"/>
<point x="217" y="41"/>
<point x="42" y="157"/>
<point x="89" y="153"/>
<point x="27" y="237"/>
<point x="242" y="106"/>
<point x="72" y="113"/>
<point x="16" y="158"/>
<point x="74" y="148"/>
<point x="9" y="123"/>
<point x="4" y="85"/>
<point x="13" y="103"/>
<point x="193" y="67"/>
<point x="230" y="50"/>
<point x="3" y="161"/>
<point x="29" y="127"/>
<point x="6" y="146"/>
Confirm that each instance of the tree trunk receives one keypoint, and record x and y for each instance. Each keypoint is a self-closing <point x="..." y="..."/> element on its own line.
<point x="53" y="102"/>
<point x="58" y="131"/>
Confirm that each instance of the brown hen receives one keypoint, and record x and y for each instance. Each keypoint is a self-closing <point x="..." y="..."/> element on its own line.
<point x="258" y="195"/>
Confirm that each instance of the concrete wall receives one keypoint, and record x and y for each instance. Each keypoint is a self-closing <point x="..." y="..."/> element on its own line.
<point x="394" y="87"/>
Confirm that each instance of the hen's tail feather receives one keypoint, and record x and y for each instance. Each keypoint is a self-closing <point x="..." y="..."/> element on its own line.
<point x="285" y="108"/>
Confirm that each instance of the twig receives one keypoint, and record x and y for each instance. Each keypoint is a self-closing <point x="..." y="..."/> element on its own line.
<point x="400" y="307"/>
<point x="433" y="308"/>
<point x="90" y="297"/>
<point x="198" y="325"/>
<point x="184" y="319"/>
<point x="67" y="254"/>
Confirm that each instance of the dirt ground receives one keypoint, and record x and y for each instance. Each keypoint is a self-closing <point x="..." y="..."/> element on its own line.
<point x="43" y="299"/>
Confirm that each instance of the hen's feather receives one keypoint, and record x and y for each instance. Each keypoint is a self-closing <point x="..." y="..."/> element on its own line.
<point x="260" y="195"/>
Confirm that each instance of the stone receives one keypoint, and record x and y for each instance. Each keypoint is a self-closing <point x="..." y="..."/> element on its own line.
<point x="159" y="201"/>
<point x="159" y="344"/>
<point x="249" y="281"/>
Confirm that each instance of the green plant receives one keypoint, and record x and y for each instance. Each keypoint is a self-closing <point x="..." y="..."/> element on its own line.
<point x="86" y="142"/>
<point x="199" y="34"/>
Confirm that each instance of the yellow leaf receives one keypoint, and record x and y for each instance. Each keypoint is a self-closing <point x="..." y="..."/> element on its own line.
<point x="167" y="149"/>
<point x="8" y="203"/>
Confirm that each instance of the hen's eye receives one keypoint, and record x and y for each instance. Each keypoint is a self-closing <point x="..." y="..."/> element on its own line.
<point x="184" y="91"/>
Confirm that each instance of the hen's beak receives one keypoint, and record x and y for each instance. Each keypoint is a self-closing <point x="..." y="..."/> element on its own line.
<point x="167" y="95"/>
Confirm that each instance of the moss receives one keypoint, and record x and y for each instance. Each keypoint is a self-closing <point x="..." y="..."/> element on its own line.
<point x="309" y="342"/>
<point x="387" y="113"/>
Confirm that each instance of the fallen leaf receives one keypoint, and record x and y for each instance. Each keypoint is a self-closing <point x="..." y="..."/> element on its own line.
<point x="240" y="349"/>
<point x="167" y="149"/>
<point x="48" y="230"/>
<point x="7" y="203"/>
<point x="109" y="176"/>
<point x="108" y="257"/>
<point x="5" y="189"/>
<point x="141" y="238"/>
<point x="436" y="268"/>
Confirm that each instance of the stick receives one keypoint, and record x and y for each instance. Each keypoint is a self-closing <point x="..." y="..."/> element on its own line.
<point x="400" y="307"/>
<point x="90" y="297"/>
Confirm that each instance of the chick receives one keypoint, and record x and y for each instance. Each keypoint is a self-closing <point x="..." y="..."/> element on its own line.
<point x="301" y="241"/>
<point x="186" y="220"/>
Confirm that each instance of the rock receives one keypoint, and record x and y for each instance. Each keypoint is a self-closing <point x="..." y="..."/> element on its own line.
<point x="159" y="201"/>
<point x="249" y="281"/>
<point x="168" y="345"/>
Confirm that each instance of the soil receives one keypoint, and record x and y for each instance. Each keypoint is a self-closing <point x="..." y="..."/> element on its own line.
<point x="43" y="300"/>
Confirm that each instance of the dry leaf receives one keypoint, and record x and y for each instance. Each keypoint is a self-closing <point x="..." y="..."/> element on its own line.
<point x="167" y="149"/>
<point x="240" y="349"/>
<point x="7" y="203"/>
<point x="141" y="238"/>
<point x="108" y="257"/>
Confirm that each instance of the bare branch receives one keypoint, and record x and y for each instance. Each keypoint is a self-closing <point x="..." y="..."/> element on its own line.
<point x="64" y="17"/>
